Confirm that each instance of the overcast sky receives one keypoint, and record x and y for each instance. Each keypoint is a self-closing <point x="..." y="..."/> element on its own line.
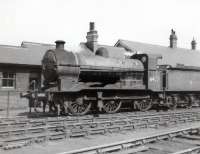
<point x="147" y="21"/>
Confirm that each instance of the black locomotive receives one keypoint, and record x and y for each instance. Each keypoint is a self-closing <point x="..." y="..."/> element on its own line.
<point x="79" y="82"/>
<point x="95" y="79"/>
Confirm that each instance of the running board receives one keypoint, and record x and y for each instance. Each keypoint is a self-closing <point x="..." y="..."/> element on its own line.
<point x="118" y="98"/>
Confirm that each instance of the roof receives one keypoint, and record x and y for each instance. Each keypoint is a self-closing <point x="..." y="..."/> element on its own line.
<point x="27" y="44"/>
<point x="28" y="53"/>
<point x="170" y="56"/>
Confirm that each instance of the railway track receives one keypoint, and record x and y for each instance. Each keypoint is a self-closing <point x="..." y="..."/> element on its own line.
<point x="28" y="132"/>
<point x="24" y="121"/>
<point x="40" y="115"/>
<point x="94" y="122"/>
<point x="171" y="141"/>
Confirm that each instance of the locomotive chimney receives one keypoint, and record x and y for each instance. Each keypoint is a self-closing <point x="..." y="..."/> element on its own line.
<point x="92" y="37"/>
<point x="193" y="44"/>
<point x="60" y="44"/>
<point x="173" y="39"/>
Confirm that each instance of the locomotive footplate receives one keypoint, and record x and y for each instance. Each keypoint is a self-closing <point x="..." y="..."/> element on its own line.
<point x="126" y="98"/>
<point x="117" y="98"/>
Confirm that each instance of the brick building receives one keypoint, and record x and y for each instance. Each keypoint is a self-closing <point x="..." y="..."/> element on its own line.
<point x="19" y="65"/>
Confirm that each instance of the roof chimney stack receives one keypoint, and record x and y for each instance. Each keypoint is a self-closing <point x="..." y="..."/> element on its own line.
<point x="173" y="39"/>
<point x="193" y="44"/>
<point x="92" y="26"/>
<point x="92" y="37"/>
<point x="60" y="44"/>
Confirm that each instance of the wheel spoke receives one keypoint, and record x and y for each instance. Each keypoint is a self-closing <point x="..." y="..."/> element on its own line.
<point x="188" y="102"/>
<point x="75" y="106"/>
<point x="79" y="107"/>
<point x="82" y="108"/>
<point x="144" y="105"/>
<point x="111" y="106"/>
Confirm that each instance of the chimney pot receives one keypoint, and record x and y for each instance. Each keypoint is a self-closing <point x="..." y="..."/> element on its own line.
<point x="92" y="26"/>
<point x="173" y="39"/>
<point x="193" y="44"/>
<point x="60" y="44"/>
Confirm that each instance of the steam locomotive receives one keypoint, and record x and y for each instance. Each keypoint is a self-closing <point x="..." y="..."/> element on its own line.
<point x="103" y="79"/>
<point x="85" y="81"/>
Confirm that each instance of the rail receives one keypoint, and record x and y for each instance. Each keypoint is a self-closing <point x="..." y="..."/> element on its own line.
<point x="123" y="145"/>
<point x="39" y="131"/>
<point x="20" y="122"/>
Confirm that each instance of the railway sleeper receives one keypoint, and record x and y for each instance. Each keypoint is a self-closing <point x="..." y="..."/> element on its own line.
<point x="119" y="122"/>
<point x="104" y="124"/>
<point x="110" y="149"/>
<point x="163" y="123"/>
<point x="29" y="131"/>
<point x="97" y="131"/>
<point x="57" y="136"/>
<point x="128" y="127"/>
<point x="113" y="129"/>
<point x="78" y="133"/>
<point x="149" y="140"/>
<point x="134" y="150"/>
<point x="140" y="125"/>
<point x="14" y="146"/>
<point x="14" y="141"/>
<point x="153" y="125"/>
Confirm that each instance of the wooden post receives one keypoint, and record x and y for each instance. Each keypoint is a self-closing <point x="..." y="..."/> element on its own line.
<point x="8" y="104"/>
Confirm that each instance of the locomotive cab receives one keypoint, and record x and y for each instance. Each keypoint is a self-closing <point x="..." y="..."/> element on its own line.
<point x="152" y="75"/>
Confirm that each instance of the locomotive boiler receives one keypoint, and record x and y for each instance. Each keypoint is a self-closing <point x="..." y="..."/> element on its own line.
<point x="90" y="68"/>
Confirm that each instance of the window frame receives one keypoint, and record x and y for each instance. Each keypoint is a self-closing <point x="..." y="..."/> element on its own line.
<point x="8" y="77"/>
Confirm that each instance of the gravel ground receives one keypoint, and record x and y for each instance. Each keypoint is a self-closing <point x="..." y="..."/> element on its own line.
<point x="58" y="147"/>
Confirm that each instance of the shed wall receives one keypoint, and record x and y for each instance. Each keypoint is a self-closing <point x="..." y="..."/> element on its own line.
<point x="11" y="95"/>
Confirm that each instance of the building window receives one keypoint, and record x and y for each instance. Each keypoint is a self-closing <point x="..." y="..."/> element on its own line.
<point x="8" y="80"/>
